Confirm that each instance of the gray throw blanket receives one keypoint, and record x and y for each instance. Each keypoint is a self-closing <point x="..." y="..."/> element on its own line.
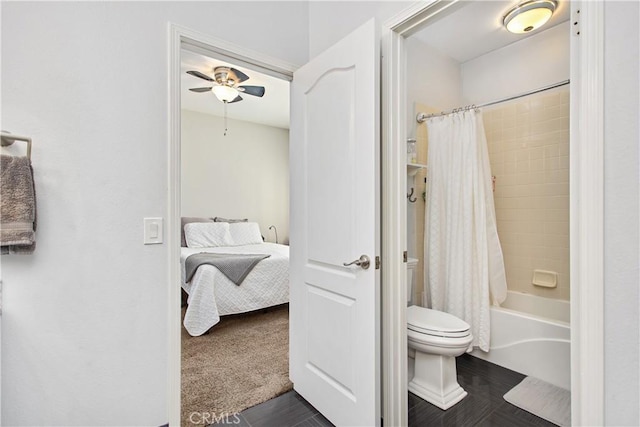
<point x="235" y="266"/>
<point x="17" y="206"/>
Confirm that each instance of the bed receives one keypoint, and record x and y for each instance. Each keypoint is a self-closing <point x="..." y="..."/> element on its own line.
<point x="211" y="294"/>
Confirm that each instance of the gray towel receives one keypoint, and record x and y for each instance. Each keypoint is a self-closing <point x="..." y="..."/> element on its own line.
<point x="17" y="206"/>
<point x="235" y="266"/>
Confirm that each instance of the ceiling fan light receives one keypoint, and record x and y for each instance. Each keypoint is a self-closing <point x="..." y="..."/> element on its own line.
<point x="225" y="93"/>
<point x="529" y="16"/>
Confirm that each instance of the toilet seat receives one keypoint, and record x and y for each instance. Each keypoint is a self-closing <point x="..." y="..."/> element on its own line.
<point x="436" y="344"/>
<point x="436" y="323"/>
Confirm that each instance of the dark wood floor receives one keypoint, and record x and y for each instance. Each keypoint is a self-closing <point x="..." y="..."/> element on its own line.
<point x="485" y="382"/>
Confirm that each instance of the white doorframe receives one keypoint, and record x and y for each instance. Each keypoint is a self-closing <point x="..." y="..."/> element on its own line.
<point x="586" y="216"/>
<point x="182" y="37"/>
<point x="586" y="180"/>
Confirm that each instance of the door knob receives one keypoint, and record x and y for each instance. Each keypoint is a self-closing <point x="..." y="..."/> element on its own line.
<point x="363" y="262"/>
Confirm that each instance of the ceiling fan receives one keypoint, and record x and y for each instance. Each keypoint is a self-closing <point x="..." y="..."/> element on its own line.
<point x="225" y="88"/>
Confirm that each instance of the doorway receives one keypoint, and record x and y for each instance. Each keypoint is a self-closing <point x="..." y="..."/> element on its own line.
<point x="210" y="187"/>
<point x="234" y="176"/>
<point x="585" y="144"/>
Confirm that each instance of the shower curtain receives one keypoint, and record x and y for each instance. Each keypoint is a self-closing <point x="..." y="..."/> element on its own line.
<point x="464" y="267"/>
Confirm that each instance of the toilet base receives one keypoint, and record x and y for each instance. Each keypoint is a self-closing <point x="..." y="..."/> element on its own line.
<point x="435" y="380"/>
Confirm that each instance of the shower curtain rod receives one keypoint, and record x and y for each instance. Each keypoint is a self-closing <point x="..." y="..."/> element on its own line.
<point x="421" y="117"/>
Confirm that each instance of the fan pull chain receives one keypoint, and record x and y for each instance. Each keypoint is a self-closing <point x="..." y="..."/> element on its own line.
<point x="225" y="118"/>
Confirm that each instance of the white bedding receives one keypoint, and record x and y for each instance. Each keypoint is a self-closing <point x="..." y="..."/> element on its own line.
<point x="212" y="294"/>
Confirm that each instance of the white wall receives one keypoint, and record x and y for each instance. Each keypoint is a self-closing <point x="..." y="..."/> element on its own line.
<point x="330" y="21"/>
<point x="529" y="64"/>
<point x="244" y="174"/>
<point x="433" y="79"/>
<point x="621" y="213"/>
<point x="84" y="327"/>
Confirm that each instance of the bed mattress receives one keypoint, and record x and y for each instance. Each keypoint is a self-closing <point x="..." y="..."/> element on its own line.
<point x="212" y="294"/>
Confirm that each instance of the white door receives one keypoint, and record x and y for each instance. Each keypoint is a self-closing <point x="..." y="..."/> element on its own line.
<point x="334" y="309"/>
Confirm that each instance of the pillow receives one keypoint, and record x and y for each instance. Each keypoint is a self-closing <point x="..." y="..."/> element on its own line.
<point x="245" y="233"/>
<point x="187" y="220"/>
<point x="220" y="219"/>
<point x="207" y="234"/>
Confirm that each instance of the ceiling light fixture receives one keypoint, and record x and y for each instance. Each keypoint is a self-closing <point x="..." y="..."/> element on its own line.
<point x="225" y="93"/>
<point x="529" y="16"/>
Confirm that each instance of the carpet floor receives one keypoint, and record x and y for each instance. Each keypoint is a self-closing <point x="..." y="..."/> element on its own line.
<point x="241" y="362"/>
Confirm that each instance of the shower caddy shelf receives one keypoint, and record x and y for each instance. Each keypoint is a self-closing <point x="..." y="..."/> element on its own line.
<point x="413" y="168"/>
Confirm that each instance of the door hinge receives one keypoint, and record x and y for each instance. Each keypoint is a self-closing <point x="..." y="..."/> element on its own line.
<point x="404" y="256"/>
<point x="377" y="262"/>
<point x="575" y="23"/>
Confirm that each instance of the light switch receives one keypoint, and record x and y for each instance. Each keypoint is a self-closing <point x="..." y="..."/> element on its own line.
<point x="152" y="231"/>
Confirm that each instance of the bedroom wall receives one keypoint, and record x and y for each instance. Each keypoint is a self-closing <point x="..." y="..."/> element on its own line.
<point x="84" y="322"/>
<point x="244" y="174"/>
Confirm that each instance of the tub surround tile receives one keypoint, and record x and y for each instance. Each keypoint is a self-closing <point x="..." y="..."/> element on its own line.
<point x="529" y="140"/>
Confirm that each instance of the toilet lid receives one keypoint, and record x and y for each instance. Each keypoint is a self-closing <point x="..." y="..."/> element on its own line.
<point x="433" y="322"/>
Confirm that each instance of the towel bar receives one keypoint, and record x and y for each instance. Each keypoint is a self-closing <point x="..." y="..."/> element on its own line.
<point x="7" y="139"/>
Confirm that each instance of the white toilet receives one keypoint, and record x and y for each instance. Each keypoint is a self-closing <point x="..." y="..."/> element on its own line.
<point x="437" y="339"/>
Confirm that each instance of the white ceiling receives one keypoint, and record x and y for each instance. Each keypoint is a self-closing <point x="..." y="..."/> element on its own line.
<point x="469" y="29"/>
<point x="475" y="28"/>
<point x="272" y="109"/>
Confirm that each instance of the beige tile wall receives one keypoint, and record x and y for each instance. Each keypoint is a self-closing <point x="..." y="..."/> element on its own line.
<point x="528" y="143"/>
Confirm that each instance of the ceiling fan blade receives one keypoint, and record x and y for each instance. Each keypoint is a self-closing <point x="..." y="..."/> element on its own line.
<point x="252" y="90"/>
<point x="236" y="99"/>
<point x="200" y="89"/>
<point x="240" y="75"/>
<point x="201" y="75"/>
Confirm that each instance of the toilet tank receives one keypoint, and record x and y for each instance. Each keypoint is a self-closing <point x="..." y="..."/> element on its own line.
<point x="411" y="272"/>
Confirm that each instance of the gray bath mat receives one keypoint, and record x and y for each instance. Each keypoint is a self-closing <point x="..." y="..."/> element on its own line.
<point x="542" y="399"/>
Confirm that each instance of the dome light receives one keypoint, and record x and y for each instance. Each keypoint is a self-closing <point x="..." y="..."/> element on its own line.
<point x="529" y="16"/>
<point x="225" y="93"/>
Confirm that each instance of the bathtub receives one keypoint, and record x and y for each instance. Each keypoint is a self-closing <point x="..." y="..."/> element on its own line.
<point x="531" y="335"/>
